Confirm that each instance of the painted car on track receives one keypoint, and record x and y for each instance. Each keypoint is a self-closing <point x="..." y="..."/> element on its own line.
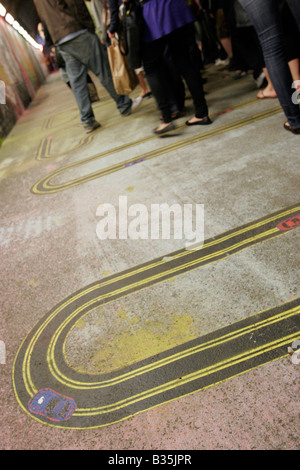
<point x="52" y="405"/>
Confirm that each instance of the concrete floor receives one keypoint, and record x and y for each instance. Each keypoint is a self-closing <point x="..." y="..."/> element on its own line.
<point x="161" y="348"/>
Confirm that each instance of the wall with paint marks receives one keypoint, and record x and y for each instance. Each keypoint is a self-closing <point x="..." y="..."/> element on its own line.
<point x="22" y="71"/>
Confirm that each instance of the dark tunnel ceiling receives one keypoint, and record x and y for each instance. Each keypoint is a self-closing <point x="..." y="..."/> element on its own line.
<point x="24" y="12"/>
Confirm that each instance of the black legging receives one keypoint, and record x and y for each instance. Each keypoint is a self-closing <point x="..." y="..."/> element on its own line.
<point x="181" y="45"/>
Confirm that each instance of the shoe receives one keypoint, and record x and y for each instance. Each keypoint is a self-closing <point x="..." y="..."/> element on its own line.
<point x="135" y="102"/>
<point x="91" y="127"/>
<point x="204" y="122"/>
<point x="169" y="128"/>
<point x="260" y="80"/>
<point x="222" y="62"/>
<point x="239" y="74"/>
<point x="294" y="130"/>
<point x="147" y="95"/>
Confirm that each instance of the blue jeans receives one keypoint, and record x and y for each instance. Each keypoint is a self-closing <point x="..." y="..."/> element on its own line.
<point x="264" y="15"/>
<point x="84" y="53"/>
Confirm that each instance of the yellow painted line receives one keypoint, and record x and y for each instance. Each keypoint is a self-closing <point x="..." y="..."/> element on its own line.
<point x="46" y="123"/>
<point x="27" y="357"/>
<point x="28" y="381"/>
<point x="44" y="150"/>
<point x="188" y="378"/>
<point x="151" y="407"/>
<point x="136" y="285"/>
<point x="50" y="354"/>
<point x="52" y="121"/>
<point x="48" y="188"/>
<point x="188" y="352"/>
<point x="109" y="281"/>
<point x="119" y="148"/>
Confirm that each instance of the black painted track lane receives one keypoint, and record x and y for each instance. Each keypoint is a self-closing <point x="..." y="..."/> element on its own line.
<point x="107" y="398"/>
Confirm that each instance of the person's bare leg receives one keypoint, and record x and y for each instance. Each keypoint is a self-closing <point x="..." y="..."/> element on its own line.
<point x="294" y="65"/>
<point x="226" y="43"/>
<point x="143" y="84"/>
<point x="269" y="91"/>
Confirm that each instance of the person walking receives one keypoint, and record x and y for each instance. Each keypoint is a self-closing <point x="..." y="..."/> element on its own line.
<point x="168" y="24"/>
<point x="73" y="32"/>
<point x="265" y="17"/>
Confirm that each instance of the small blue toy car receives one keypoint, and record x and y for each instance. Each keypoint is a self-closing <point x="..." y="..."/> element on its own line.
<point x="52" y="405"/>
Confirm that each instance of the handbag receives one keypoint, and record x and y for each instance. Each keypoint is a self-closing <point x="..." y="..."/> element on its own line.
<point x="124" y="77"/>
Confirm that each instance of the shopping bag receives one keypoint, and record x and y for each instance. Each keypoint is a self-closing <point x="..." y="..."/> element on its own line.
<point x="124" y="78"/>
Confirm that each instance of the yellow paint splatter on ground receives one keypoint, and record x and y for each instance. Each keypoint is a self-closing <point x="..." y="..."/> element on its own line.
<point x="135" y="342"/>
<point x="106" y="273"/>
<point x="81" y="323"/>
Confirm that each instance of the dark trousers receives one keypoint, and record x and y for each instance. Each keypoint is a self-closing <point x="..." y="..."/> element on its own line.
<point x="247" y="51"/>
<point x="181" y="46"/>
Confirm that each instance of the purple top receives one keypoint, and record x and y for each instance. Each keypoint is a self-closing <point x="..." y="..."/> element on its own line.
<point x="161" y="17"/>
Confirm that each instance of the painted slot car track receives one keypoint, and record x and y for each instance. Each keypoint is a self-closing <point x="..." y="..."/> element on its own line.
<point x="47" y="184"/>
<point x="107" y="398"/>
<point x="138" y="344"/>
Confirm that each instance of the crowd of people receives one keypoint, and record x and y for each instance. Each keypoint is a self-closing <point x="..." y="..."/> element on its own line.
<point x="179" y="38"/>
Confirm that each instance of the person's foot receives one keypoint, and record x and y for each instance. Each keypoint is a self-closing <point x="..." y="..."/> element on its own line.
<point x="294" y="130"/>
<point x="238" y="74"/>
<point x="262" y="94"/>
<point x="91" y="127"/>
<point x="222" y="61"/>
<point x="164" y="127"/>
<point x="199" y="121"/>
<point x="146" y="95"/>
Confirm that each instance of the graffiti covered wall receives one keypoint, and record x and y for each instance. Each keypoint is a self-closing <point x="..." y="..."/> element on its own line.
<point x="22" y="71"/>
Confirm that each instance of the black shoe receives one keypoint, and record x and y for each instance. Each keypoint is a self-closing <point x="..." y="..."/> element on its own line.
<point x="294" y="130"/>
<point x="91" y="127"/>
<point x="169" y="128"/>
<point x="203" y="122"/>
